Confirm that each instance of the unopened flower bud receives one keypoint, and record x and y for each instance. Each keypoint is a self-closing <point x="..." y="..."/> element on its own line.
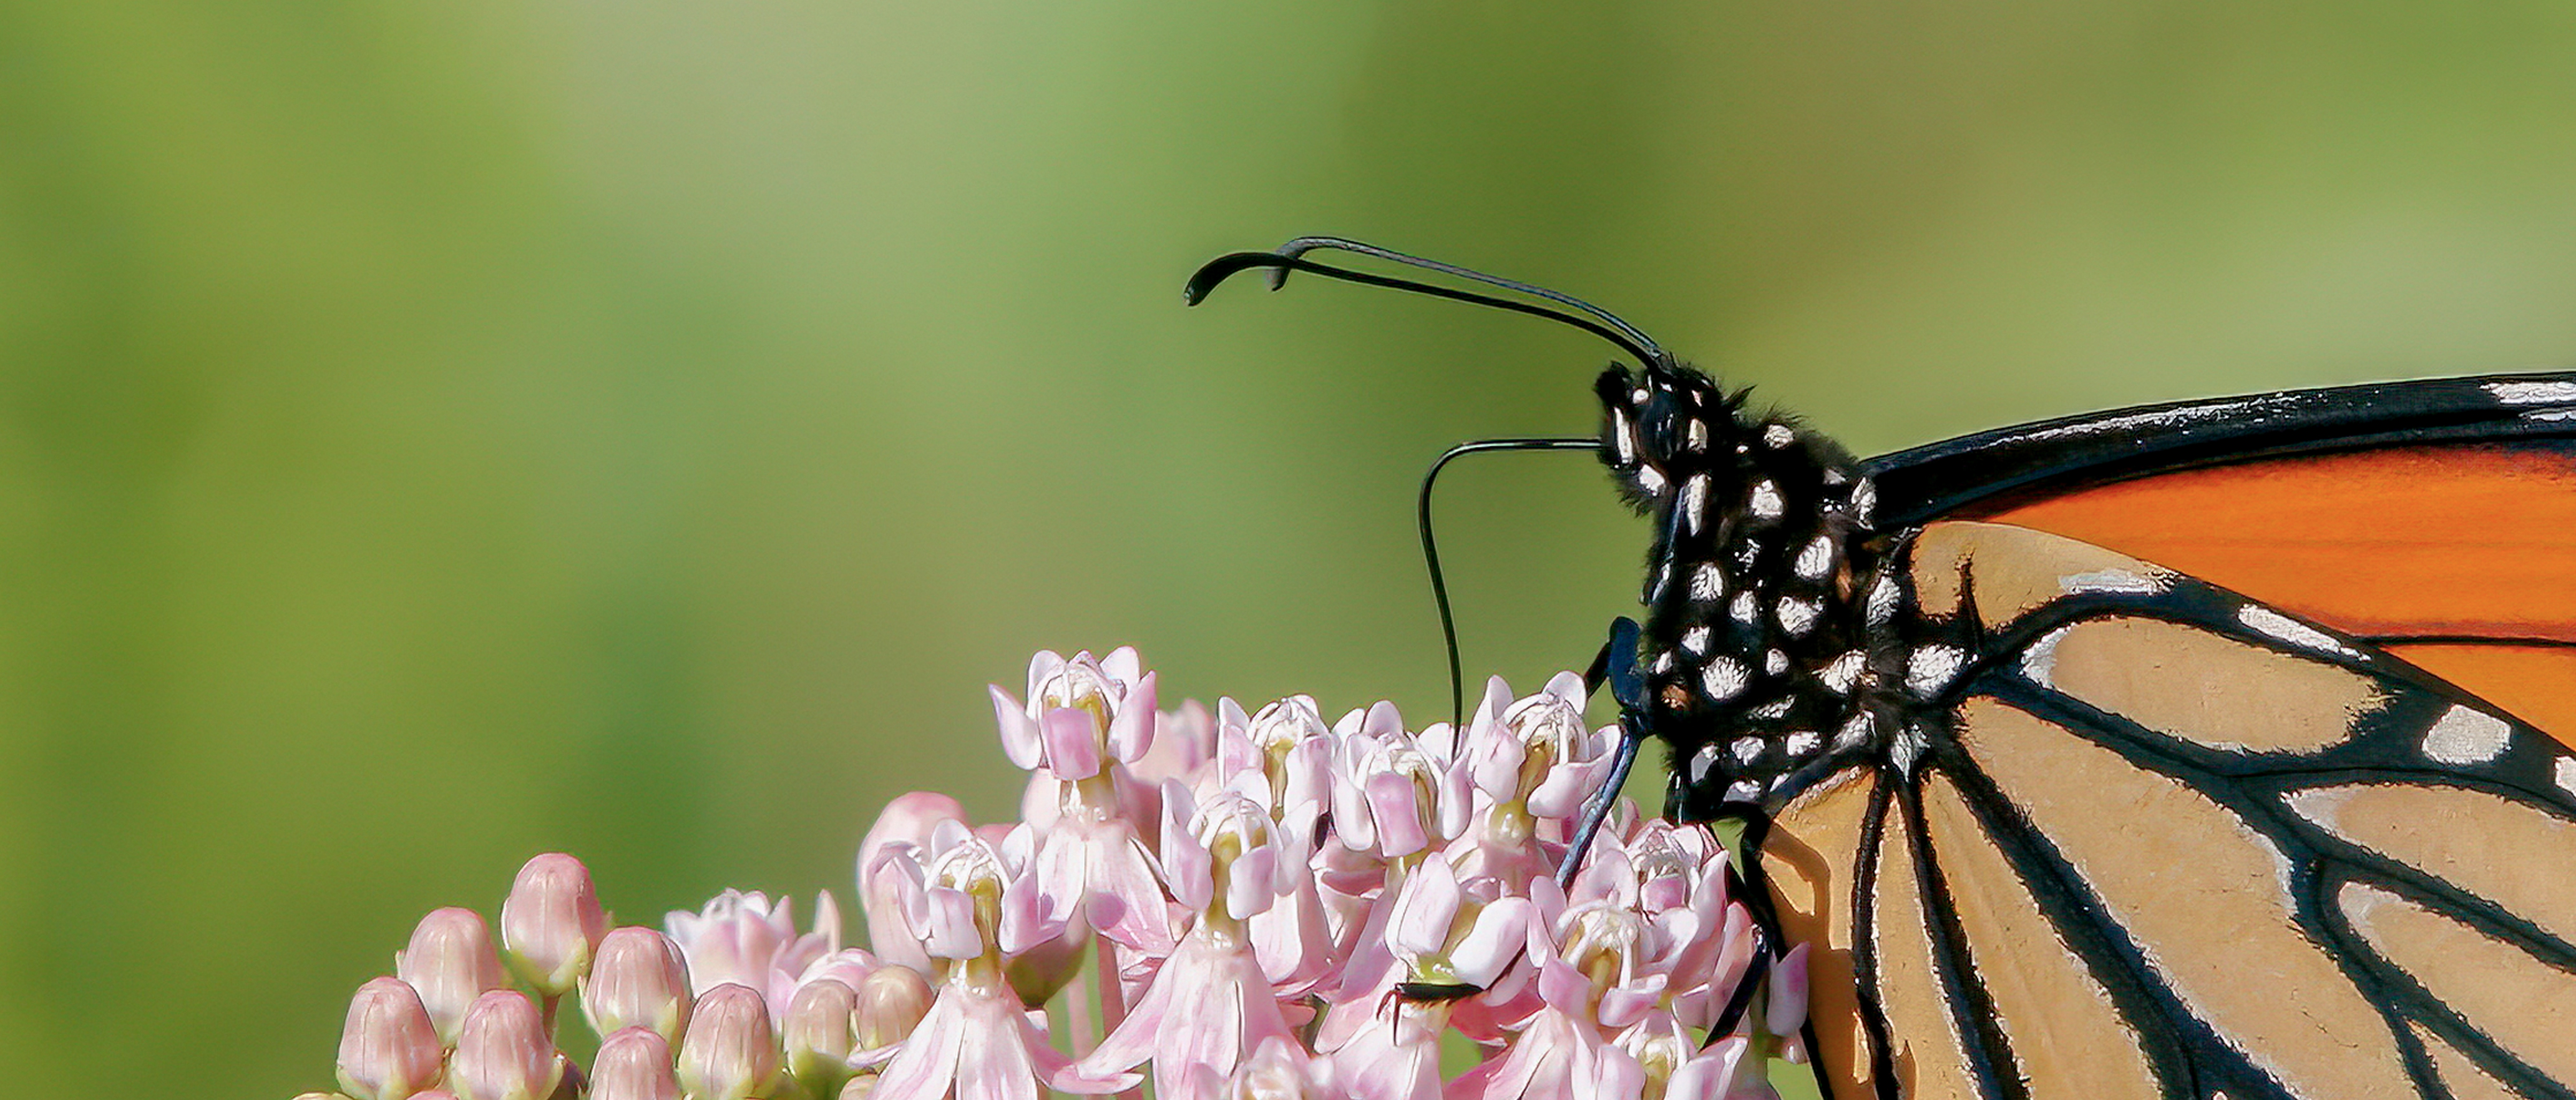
<point x="388" y="1050"/>
<point x="434" y="1094"/>
<point x="551" y="923"/>
<point x="729" y="1052"/>
<point x="503" y="1052"/>
<point x="640" y="979"/>
<point x="634" y="1064"/>
<point x="890" y="1004"/>
<point x="450" y="962"/>
<point x="817" y="1034"/>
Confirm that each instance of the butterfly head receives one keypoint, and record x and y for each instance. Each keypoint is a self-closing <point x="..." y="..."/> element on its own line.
<point x="1753" y="643"/>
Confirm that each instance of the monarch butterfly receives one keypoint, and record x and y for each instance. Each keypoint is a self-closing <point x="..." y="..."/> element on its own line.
<point x="2189" y="751"/>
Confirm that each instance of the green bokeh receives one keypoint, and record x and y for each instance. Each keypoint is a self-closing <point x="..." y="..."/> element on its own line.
<point x="431" y="434"/>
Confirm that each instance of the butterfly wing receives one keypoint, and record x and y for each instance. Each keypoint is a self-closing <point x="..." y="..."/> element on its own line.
<point x="2148" y="837"/>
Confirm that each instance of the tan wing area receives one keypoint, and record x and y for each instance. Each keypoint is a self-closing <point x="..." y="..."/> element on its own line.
<point x="2460" y="541"/>
<point x="1811" y="856"/>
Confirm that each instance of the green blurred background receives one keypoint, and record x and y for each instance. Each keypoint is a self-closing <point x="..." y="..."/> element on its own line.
<point x="431" y="434"/>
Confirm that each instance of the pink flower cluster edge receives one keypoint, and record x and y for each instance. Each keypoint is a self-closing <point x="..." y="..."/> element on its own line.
<point x="1231" y="906"/>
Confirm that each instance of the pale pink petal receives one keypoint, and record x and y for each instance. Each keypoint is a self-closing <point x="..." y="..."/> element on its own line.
<point x="925" y="1065"/>
<point x="1123" y="666"/>
<point x="1564" y="790"/>
<point x="1392" y="806"/>
<point x="1492" y="942"/>
<point x="1127" y="903"/>
<point x="1622" y="1005"/>
<point x="1072" y="738"/>
<point x="1711" y="1075"/>
<point x="1131" y="733"/>
<point x="948" y="924"/>
<point x="1043" y="665"/>
<point x="1429" y="902"/>
<point x="1787" y="1010"/>
<point x="1187" y="868"/>
<point x="992" y="1064"/>
<point x="1351" y="819"/>
<point x="1608" y="1073"/>
<point x="1249" y="890"/>
<point x="1019" y="731"/>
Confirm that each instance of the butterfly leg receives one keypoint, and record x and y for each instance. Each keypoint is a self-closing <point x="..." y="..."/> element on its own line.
<point x="1616" y="666"/>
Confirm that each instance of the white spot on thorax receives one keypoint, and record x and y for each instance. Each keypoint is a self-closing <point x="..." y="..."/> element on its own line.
<point x="1651" y="478"/>
<point x="1883" y="598"/>
<point x="1766" y="502"/>
<point x="1907" y="748"/>
<point x="1701" y="762"/>
<point x="1744" y="609"/>
<point x="1695" y="501"/>
<point x="1844" y="672"/>
<point x="1855" y="731"/>
<point x="2463" y="736"/>
<point x="1775" y="662"/>
<point x="1797" y="616"/>
<point x="1695" y="640"/>
<point x="1664" y="661"/>
<point x="1743" y="790"/>
<point x="1637" y="396"/>
<point x="1817" y="559"/>
<point x="1865" y="503"/>
<point x="2293" y="631"/>
<point x="1776" y="436"/>
<point x="1624" y="437"/>
<point x="1775" y="709"/>
<point x="1723" y="678"/>
<point x="1931" y="668"/>
<point x="1699" y="435"/>
<point x="1747" y="749"/>
<point x="1801" y="743"/>
<point x="1708" y="582"/>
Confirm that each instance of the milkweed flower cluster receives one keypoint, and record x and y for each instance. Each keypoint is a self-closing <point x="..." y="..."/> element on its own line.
<point x="1230" y="905"/>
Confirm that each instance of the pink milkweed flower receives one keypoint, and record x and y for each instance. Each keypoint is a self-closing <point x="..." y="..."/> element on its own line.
<point x="1534" y="764"/>
<point x="1210" y="1003"/>
<point x="1675" y="1067"/>
<point x="743" y="938"/>
<point x="1396" y="1056"/>
<point x="1084" y="722"/>
<point x="503" y="1051"/>
<point x="450" y="962"/>
<point x="730" y="1051"/>
<point x="1555" y="1057"/>
<point x="551" y="922"/>
<point x="1395" y="795"/>
<point x="977" y="1040"/>
<point x="389" y="1049"/>
<point x="908" y="819"/>
<point x="1435" y="929"/>
<point x="640" y="980"/>
<point x="1281" y="1070"/>
<point x="633" y="1064"/>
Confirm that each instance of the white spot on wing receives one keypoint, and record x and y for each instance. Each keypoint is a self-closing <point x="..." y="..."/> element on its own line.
<point x="2123" y="581"/>
<point x="1931" y="668"/>
<point x="2293" y="631"/>
<point x="1865" y="503"/>
<point x="2565" y="774"/>
<point x="2532" y="393"/>
<point x="1766" y="502"/>
<point x="1855" y="732"/>
<point x="1723" y="678"/>
<point x="1708" y="582"/>
<point x="2463" y="736"/>
<point x="2039" y="662"/>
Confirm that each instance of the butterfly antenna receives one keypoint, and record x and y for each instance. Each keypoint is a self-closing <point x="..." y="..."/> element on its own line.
<point x="1227" y="266"/>
<point x="1303" y="245"/>
<point x="1431" y="546"/>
